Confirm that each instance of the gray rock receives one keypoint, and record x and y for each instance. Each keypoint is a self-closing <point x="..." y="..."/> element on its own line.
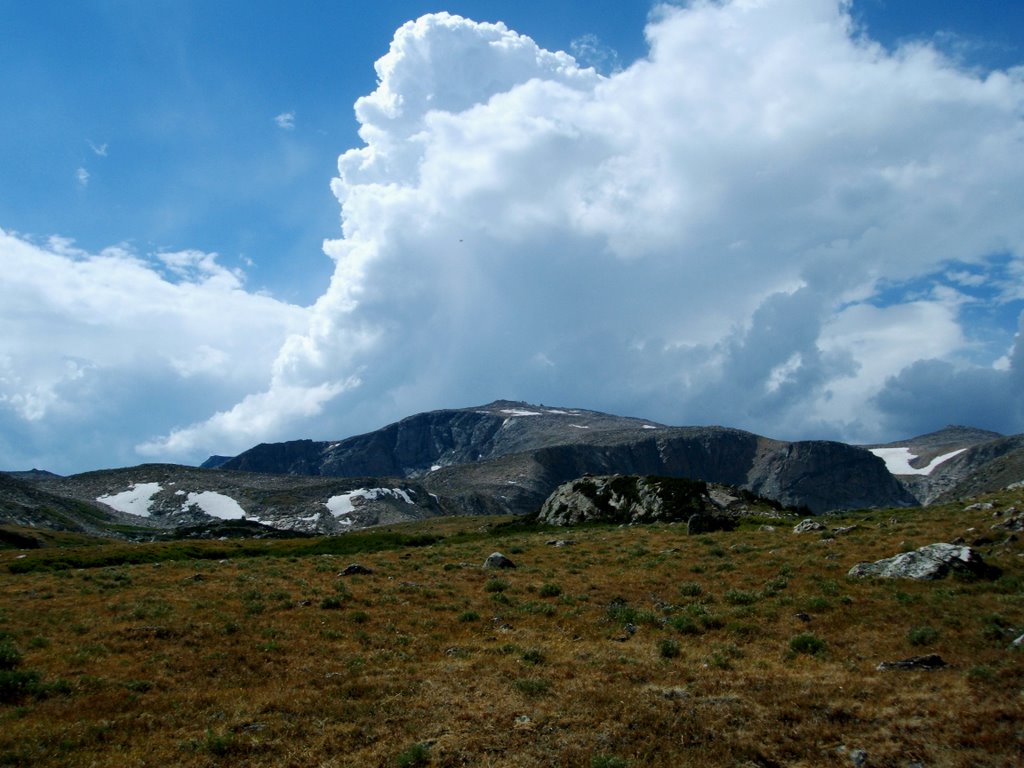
<point x="355" y="569"/>
<point x="927" y="662"/>
<point x="560" y="543"/>
<point x="628" y="499"/>
<point x="934" y="561"/>
<point x="498" y="560"/>
<point x="1019" y="642"/>
<point x="807" y="526"/>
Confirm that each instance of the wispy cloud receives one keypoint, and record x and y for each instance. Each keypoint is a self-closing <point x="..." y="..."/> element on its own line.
<point x="285" y="120"/>
<point x="82" y="176"/>
<point x="589" y="51"/>
<point x="99" y="151"/>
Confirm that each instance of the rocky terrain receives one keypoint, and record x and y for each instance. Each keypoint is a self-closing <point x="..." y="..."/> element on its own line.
<point x="502" y="458"/>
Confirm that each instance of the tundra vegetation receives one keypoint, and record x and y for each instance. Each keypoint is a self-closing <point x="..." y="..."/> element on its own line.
<point x="634" y="646"/>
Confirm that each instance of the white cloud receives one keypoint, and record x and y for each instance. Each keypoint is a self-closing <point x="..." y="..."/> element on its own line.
<point x="695" y="238"/>
<point x="76" y="321"/>
<point x="285" y="120"/>
<point x="100" y="150"/>
<point x="704" y="236"/>
<point x="82" y="176"/>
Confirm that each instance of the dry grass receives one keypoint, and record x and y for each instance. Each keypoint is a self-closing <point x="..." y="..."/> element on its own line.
<point x="430" y="660"/>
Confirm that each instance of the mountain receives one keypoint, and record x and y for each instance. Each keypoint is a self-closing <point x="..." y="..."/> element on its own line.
<point x="955" y="462"/>
<point x="157" y="497"/>
<point x="507" y="457"/>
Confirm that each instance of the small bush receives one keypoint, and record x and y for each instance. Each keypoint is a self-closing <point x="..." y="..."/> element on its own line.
<point x="691" y="589"/>
<point x="16" y="684"/>
<point x="668" y="648"/>
<point x="411" y="757"/>
<point x="607" y="761"/>
<point x="685" y="624"/>
<point x="533" y="656"/>
<point x="922" y="635"/>
<point x="550" y="590"/>
<point x="808" y="643"/>
<point x="496" y="585"/>
<point x="10" y="656"/>
<point x="741" y="597"/>
<point x="532" y="686"/>
<point x="467" y="616"/>
<point x="331" y="603"/>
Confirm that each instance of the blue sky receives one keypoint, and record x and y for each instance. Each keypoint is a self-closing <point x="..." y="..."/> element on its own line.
<point x="797" y="217"/>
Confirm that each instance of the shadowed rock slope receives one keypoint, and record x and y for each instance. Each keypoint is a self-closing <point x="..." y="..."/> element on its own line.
<point x="507" y="457"/>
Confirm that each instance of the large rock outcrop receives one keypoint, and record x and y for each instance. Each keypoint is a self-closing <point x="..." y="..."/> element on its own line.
<point x="934" y="561"/>
<point x="630" y="500"/>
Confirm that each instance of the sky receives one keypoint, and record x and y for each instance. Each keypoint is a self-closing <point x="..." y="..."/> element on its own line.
<point x="225" y="223"/>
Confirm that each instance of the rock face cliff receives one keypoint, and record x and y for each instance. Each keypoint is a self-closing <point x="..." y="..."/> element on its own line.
<point x="507" y="457"/>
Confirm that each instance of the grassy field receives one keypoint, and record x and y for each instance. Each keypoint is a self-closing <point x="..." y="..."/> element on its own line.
<point x="631" y="647"/>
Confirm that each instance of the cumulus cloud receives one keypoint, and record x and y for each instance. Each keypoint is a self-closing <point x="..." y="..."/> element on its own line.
<point x="285" y="120"/>
<point x="703" y="236"/>
<point x="713" y="234"/>
<point x="82" y="328"/>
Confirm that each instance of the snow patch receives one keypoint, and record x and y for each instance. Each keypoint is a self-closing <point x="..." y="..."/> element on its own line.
<point x="520" y="412"/>
<point x="343" y="504"/>
<point x="137" y="500"/>
<point x="579" y="426"/>
<point x="897" y="460"/>
<point x="648" y="426"/>
<point x="215" y="504"/>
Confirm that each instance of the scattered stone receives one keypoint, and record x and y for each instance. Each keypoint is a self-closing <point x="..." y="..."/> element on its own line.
<point x="807" y="526"/>
<point x="858" y="757"/>
<point x="803" y="617"/>
<point x="927" y="662"/>
<point x="355" y="569"/>
<point x="767" y="528"/>
<point x="560" y="543"/>
<point x="934" y="561"/>
<point x="498" y="560"/>
<point x="843" y="530"/>
<point x="980" y="506"/>
<point x="1014" y="523"/>
<point x="523" y="723"/>
<point x="1019" y="642"/>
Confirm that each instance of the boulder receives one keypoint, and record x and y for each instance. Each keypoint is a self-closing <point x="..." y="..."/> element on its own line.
<point x="630" y="499"/>
<point x="498" y="560"/>
<point x="928" y="661"/>
<point x="807" y="526"/>
<point x="355" y="569"/>
<point x="934" y="561"/>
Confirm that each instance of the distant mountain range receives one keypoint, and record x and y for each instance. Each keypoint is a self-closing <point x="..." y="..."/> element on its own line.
<point x="501" y="458"/>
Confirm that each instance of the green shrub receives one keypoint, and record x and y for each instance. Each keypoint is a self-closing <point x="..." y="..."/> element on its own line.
<point x="690" y="589"/>
<point x="16" y="684"/>
<point x="741" y="597"/>
<point x="533" y="656"/>
<point x="532" y="686"/>
<point x="924" y="635"/>
<point x="331" y="603"/>
<point x="10" y="656"/>
<point x="668" y="648"/>
<point x="496" y="585"/>
<point x="685" y="624"/>
<point x="468" y="616"/>
<point x="550" y="590"/>
<point x="808" y="643"/>
<point x="607" y="761"/>
<point x="411" y="757"/>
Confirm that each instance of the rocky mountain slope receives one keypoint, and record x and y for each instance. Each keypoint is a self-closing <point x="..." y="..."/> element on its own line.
<point x="955" y="462"/>
<point x="503" y="458"/>
<point x="507" y="457"/>
<point x="156" y="497"/>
